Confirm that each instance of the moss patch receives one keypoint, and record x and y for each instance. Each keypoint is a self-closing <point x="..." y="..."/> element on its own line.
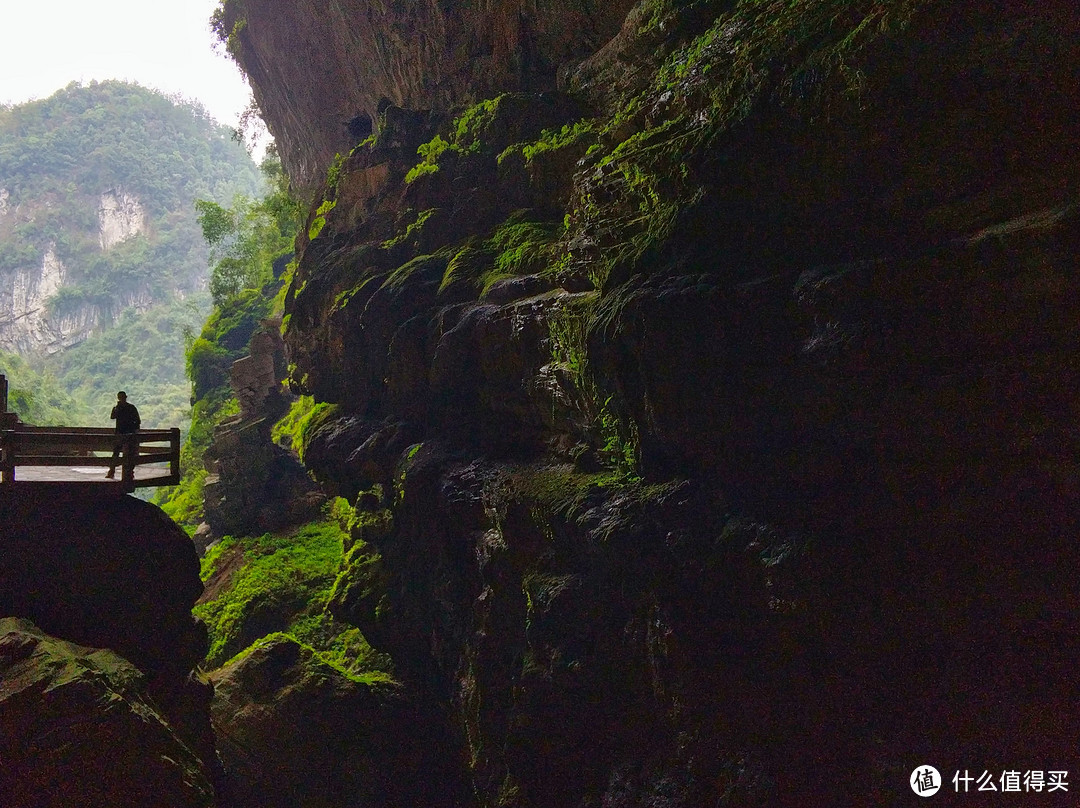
<point x="521" y="245"/>
<point x="412" y="230"/>
<point x="280" y="583"/>
<point x="583" y="134"/>
<point x="296" y="427"/>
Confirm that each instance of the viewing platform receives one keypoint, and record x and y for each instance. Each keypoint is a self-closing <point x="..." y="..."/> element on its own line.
<point x="83" y="455"/>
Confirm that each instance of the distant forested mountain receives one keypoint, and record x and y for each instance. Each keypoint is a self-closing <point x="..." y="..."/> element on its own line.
<point x="97" y="218"/>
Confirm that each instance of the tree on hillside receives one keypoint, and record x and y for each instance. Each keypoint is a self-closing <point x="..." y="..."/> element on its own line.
<point x="246" y="238"/>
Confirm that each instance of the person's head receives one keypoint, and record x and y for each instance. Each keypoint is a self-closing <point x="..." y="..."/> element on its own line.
<point x="121" y="396"/>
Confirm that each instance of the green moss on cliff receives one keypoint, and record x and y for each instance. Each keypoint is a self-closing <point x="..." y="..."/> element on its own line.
<point x="319" y="221"/>
<point x="579" y="136"/>
<point x="478" y="129"/>
<point x="342" y="663"/>
<point x="184" y="503"/>
<point x="432" y="265"/>
<point x="806" y="58"/>
<point x="225" y="338"/>
<point x="522" y="245"/>
<point x="294" y="430"/>
<point x="280" y="583"/>
<point x="430" y="151"/>
<point x="361" y="584"/>
<point x="466" y="265"/>
<point x="412" y="230"/>
<point x="470" y="126"/>
<point x="566" y="492"/>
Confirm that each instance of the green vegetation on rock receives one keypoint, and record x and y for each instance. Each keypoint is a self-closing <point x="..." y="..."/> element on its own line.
<point x="248" y="239"/>
<point x="281" y="583"/>
<point x="466" y="136"/>
<point x="806" y="56"/>
<point x="224" y="339"/>
<point x="60" y="154"/>
<point x="37" y="397"/>
<point x="245" y="238"/>
<point x="295" y="428"/>
<point x="579" y="133"/>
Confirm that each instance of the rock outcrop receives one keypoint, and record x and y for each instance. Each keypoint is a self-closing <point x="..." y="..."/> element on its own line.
<point x="359" y="56"/>
<point x="295" y="731"/>
<point x="105" y="571"/>
<point x="710" y="426"/>
<point x="254" y="485"/>
<point x="79" y="727"/>
<point x="27" y="324"/>
<point x="120" y="216"/>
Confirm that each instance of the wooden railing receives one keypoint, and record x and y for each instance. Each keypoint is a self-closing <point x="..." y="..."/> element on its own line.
<point x="73" y="446"/>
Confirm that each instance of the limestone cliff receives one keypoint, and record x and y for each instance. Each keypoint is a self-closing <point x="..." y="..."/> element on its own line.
<point x="120" y="216"/>
<point x="417" y="55"/>
<point x="29" y="323"/>
<point x="709" y="425"/>
<point x="97" y="185"/>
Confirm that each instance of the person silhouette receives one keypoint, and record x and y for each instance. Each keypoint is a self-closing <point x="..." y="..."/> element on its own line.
<point x="127" y="423"/>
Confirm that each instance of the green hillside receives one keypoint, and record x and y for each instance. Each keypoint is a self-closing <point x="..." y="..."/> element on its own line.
<point x="120" y="306"/>
<point x="35" y="396"/>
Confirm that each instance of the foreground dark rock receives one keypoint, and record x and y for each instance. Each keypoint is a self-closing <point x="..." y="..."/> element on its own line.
<point x="103" y="570"/>
<point x="79" y="726"/>
<point x="109" y="571"/>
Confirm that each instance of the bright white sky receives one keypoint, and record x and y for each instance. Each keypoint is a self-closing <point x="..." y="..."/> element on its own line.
<point x="164" y="44"/>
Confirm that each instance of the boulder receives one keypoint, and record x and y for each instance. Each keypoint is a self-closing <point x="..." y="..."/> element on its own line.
<point x="78" y="726"/>
<point x="106" y="570"/>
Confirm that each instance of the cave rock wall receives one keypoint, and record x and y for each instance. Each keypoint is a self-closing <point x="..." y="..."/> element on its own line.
<point x="424" y="55"/>
<point x="689" y="449"/>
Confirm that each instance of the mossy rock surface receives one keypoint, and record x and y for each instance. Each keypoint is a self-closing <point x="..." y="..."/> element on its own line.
<point x="259" y="586"/>
<point x="78" y="728"/>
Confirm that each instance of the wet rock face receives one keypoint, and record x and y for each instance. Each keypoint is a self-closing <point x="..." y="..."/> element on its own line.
<point x="420" y="55"/>
<point x="78" y="726"/>
<point x="885" y="379"/>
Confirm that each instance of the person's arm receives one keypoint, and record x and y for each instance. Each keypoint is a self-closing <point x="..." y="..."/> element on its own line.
<point x="136" y="418"/>
<point x="112" y="415"/>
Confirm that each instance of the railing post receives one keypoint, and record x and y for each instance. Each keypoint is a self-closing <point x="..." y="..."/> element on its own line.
<point x="3" y="393"/>
<point x="174" y="454"/>
<point x="7" y="462"/>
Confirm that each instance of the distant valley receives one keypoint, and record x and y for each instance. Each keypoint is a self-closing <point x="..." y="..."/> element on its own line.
<point x="103" y="269"/>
